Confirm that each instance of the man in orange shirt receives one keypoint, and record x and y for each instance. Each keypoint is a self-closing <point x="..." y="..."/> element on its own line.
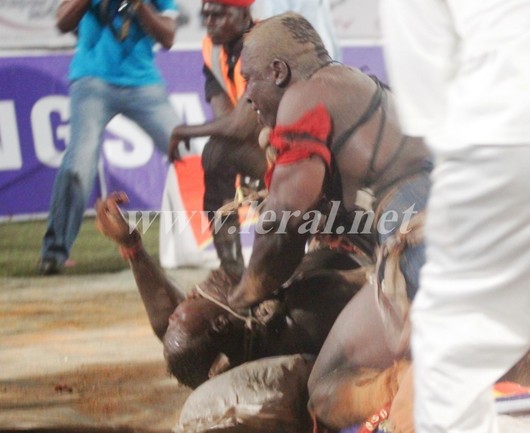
<point x="233" y="148"/>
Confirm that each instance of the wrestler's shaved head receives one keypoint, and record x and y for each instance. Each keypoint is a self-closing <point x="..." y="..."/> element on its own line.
<point x="289" y="37"/>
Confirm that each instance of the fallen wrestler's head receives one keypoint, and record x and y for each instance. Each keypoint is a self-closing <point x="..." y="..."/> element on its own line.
<point x="200" y="337"/>
<point x="226" y="20"/>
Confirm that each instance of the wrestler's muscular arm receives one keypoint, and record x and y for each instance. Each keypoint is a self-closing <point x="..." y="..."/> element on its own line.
<point x="278" y="246"/>
<point x="159" y="295"/>
<point x="294" y="189"/>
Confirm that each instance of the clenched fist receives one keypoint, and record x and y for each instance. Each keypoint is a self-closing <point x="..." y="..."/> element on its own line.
<point x="111" y="222"/>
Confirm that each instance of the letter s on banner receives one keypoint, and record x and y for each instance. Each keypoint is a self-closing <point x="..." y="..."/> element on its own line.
<point x="10" y="155"/>
<point x="134" y="149"/>
<point x="41" y="125"/>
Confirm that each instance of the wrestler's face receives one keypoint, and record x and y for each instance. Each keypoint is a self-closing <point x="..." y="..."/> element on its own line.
<point x="261" y="89"/>
<point x="198" y="332"/>
<point x="224" y="23"/>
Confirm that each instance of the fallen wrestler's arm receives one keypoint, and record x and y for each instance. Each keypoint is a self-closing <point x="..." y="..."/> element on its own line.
<point x="159" y="295"/>
<point x="189" y="328"/>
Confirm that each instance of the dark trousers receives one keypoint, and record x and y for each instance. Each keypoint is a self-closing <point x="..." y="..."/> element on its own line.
<point x="222" y="161"/>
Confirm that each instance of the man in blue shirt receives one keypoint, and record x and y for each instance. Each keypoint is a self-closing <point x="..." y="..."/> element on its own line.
<point x="112" y="72"/>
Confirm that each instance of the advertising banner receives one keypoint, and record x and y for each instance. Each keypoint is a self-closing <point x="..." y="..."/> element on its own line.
<point x="34" y="129"/>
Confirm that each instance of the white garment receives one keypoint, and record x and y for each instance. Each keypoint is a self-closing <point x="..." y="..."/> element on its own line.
<point x="179" y="245"/>
<point x="317" y="12"/>
<point x="460" y="69"/>
<point x="461" y="73"/>
<point x="471" y="318"/>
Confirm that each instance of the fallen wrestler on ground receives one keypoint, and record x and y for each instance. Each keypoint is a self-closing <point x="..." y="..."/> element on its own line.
<point x="332" y="131"/>
<point x="201" y="338"/>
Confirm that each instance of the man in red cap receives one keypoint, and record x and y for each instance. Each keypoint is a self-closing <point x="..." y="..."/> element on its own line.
<point x="236" y="3"/>
<point x="233" y="148"/>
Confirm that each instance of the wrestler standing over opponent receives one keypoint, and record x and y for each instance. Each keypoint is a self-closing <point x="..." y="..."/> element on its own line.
<point x="334" y="132"/>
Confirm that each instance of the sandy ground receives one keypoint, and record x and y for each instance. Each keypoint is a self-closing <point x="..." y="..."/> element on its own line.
<point x="77" y="355"/>
<point x="79" y="351"/>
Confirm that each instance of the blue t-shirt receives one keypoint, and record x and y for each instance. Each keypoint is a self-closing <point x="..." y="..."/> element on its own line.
<point x="100" y="54"/>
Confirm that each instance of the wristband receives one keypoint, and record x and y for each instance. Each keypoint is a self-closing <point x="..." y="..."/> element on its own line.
<point x="130" y="253"/>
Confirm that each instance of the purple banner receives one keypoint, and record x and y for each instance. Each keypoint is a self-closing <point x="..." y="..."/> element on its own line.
<point x="34" y="122"/>
<point x="34" y="128"/>
<point x="368" y="59"/>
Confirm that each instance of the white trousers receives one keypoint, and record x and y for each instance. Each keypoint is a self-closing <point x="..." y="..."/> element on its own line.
<point x="471" y="316"/>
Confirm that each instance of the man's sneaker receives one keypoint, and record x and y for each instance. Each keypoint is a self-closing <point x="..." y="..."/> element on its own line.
<point x="50" y="266"/>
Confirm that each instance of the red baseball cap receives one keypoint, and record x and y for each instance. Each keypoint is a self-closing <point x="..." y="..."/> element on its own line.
<point x="236" y="3"/>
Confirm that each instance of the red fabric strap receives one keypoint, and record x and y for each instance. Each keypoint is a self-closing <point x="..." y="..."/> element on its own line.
<point x="302" y="139"/>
